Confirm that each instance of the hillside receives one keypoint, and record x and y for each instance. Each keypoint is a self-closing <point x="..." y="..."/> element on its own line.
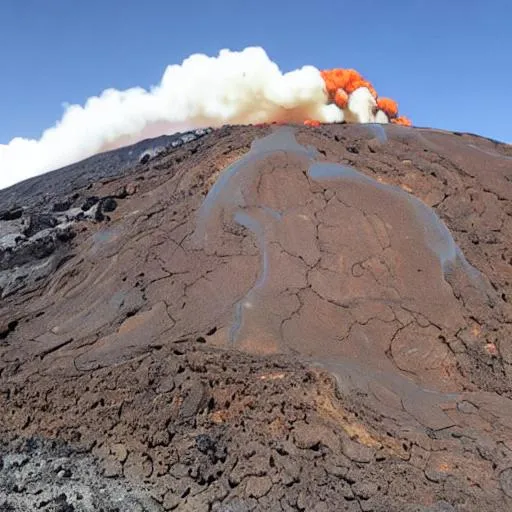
<point x="263" y="318"/>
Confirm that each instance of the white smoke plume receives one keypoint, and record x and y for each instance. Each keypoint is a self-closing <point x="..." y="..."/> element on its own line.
<point x="233" y="88"/>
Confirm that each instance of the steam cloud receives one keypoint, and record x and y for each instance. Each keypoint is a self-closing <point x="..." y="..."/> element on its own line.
<point x="243" y="87"/>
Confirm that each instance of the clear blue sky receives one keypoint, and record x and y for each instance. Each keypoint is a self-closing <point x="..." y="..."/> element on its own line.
<point x="448" y="63"/>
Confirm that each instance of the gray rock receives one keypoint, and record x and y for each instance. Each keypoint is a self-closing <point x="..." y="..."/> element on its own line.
<point x="151" y="153"/>
<point x="48" y="482"/>
<point x="188" y="137"/>
<point x="11" y="240"/>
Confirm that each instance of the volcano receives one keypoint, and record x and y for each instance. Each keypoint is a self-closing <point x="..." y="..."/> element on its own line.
<point x="261" y="318"/>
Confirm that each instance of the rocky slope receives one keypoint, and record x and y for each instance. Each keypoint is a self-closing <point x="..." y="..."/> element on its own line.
<point x="261" y="319"/>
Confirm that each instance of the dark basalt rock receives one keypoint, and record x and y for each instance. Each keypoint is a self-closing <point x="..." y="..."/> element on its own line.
<point x="108" y="204"/>
<point x="39" y="222"/>
<point x="62" y="206"/>
<point x="12" y="214"/>
<point x="89" y="203"/>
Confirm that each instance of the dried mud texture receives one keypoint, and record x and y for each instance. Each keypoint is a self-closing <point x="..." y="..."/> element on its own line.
<point x="315" y="320"/>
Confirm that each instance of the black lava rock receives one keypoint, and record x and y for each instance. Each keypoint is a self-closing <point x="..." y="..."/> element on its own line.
<point x="205" y="443"/>
<point x="62" y="206"/>
<point x="89" y="203"/>
<point x="108" y="204"/>
<point x="38" y="222"/>
<point x="12" y="214"/>
<point x="98" y="215"/>
<point x="62" y="504"/>
<point x="42" y="247"/>
<point x="65" y="235"/>
<point x="145" y="158"/>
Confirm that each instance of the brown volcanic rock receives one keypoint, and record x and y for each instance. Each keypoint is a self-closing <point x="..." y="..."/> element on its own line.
<point x="187" y="339"/>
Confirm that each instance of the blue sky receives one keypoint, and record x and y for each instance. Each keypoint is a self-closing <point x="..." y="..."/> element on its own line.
<point x="447" y="63"/>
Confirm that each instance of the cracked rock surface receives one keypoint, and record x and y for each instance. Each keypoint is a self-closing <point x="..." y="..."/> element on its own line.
<point x="251" y="319"/>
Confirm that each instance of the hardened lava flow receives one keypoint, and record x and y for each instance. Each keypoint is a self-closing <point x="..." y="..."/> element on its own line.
<point x="297" y="318"/>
